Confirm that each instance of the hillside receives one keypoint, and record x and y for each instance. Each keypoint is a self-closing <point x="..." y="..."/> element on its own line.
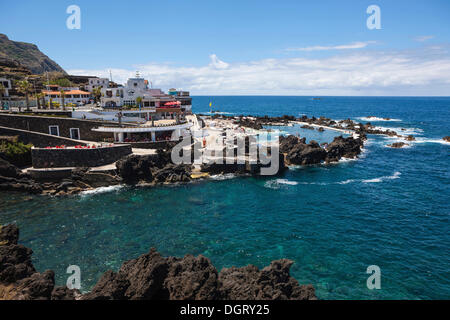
<point x="24" y="56"/>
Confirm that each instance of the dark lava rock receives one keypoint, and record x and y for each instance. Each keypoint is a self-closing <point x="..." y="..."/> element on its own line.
<point x="111" y="286"/>
<point x="152" y="168"/>
<point x="9" y="234"/>
<point x="343" y="147"/>
<point x="398" y="145"/>
<point x="271" y="283"/>
<point x="38" y="286"/>
<point x="9" y="170"/>
<point x="447" y="138"/>
<point x="191" y="278"/>
<point x="12" y="179"/>
<point x="410" y="138"/>
<point x="305" y="154"/>
<point x="194" y="278"/>
<point x="287" y="143"/>
<point x="64" y="293"/>
<point x="150" y="276"/>
<point x="15" y="259"/>
<point x="145" y="274"/>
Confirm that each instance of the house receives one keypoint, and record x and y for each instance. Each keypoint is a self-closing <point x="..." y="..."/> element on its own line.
<point x="138" y="87"/>
<point x="72" y="95"/>
<point x="6" y="85"/>
<point x="97" y="83"/>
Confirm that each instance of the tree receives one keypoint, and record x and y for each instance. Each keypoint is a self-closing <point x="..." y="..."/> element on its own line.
<point x="24" y="87"/>
<point x="63" y="99"/>
<point x="97" y="93"/>
<point x="139" y="102"/>
<point x="39" y="96"/>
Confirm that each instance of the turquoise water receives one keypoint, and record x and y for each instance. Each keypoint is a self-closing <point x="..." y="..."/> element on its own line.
<point x="389" y="208"/>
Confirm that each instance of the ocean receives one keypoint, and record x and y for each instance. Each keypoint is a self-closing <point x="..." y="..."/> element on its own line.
<point x="389" y="208"/>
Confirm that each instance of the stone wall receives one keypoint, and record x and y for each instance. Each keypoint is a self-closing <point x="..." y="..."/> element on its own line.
<point x="38" y="139"/>
<point x="41" y="124"/>
<point x="151" y="145"/>
<point x="59" y="158"/>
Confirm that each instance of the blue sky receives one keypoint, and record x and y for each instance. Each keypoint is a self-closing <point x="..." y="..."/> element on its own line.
<point x="242" y="47"/>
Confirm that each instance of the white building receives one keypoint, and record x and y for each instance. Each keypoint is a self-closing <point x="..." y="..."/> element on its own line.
<point x="138" y="87"/>
<point x="7" y="85"/>
<point x="97" y="83"/>
<point x="72" y="95"/>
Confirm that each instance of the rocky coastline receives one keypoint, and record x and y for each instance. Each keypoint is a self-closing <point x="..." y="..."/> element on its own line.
<point x="149" y="277"/>
<point x="157" y="168"/>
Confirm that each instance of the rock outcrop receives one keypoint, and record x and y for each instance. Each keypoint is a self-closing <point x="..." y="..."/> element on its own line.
<point x="299" y="153"/>
<point x="342" y="147"/>
<point x="152" y="276"/>
<point x="149" y="277"/>
<point x="19" y="280"/>
<point x="447" y="138"/>
<point x="397" y="145"/>
<point x="272" y="282"/>
<point x="305" y="154"/>
<point x="155" y="168"/>
<point x="12" y="179"/>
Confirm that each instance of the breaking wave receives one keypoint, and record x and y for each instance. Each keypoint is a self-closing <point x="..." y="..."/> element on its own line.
<point x="102" y="190"/>
<point x="377" y="119"/>
<point x="223" y="176"/>
<point x="277" y="183"/>
<point x="396" y="175"/>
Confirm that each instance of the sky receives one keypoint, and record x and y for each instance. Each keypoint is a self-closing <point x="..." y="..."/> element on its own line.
<point x="247" y="47"/>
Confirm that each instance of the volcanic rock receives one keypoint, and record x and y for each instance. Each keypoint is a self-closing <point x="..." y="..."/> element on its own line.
<point x="343" y="147"/>
<point x="397" y="145"/>
<point x="271" y="283"/>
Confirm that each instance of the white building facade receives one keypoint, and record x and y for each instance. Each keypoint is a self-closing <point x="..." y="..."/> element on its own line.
<point x="138" y="87"/>
<point x="97" y="83"/>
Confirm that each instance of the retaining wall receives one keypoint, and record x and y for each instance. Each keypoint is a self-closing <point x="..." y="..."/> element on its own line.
<point x="38" y="139"/>
<point x="59" y="158"/>
<point x="41" y="124"/>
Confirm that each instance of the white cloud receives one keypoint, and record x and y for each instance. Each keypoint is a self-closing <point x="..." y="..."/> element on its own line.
<point x="354" y="45"/>
<point x="423" y="38"/>
<point x="217" y="63"/>
<point x="425" y="71"/>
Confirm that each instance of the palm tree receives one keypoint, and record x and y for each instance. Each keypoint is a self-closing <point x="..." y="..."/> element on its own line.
<point x="63" y="99"/>
<point x="39" y="96"/>
<point x="43" y="100"/>
<point x="139" y="102"/>
<point x="24" y="87"/>
<point x="97" y="93"/>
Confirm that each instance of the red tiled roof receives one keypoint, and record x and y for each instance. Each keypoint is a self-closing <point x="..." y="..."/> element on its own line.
<point x="66" y="92"/>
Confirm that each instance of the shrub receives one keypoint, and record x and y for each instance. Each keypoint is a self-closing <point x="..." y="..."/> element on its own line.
<point x="15" y="152"/>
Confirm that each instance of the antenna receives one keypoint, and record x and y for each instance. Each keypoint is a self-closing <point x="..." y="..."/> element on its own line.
<point x="137" y="74"/>
<point x="110" y="75"/>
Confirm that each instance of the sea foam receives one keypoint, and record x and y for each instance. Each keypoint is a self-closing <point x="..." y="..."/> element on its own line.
<point x="377" y="119"/>
<point x="277" y="183"/>
<point x="102" y="190"/>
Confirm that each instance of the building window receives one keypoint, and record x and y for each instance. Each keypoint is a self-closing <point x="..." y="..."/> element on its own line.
<point x="75" y="133"/>
<point x="53" y="130"/>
